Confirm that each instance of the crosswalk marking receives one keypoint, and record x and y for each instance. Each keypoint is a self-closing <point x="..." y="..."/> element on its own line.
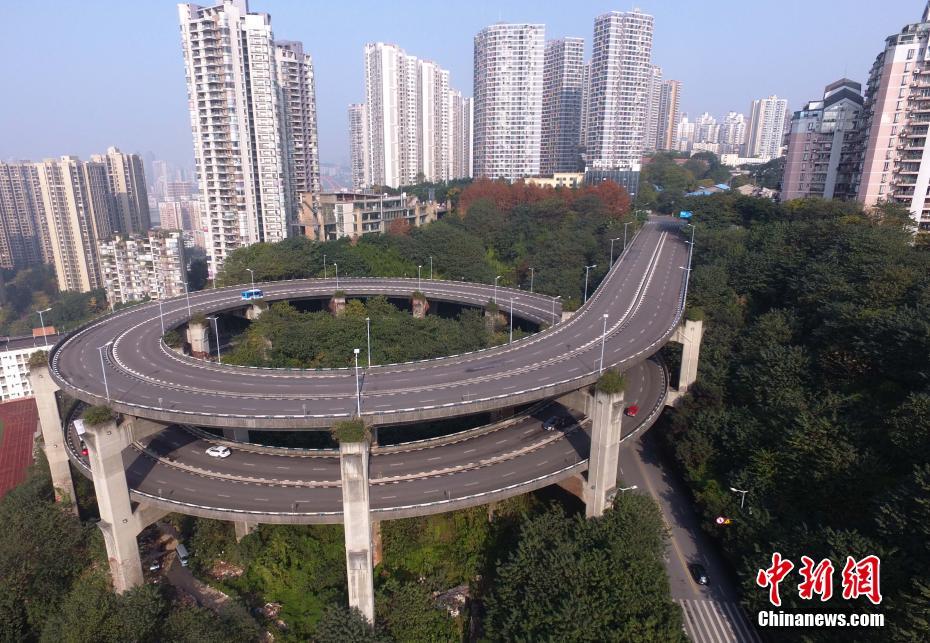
<point x="708" y="621"/>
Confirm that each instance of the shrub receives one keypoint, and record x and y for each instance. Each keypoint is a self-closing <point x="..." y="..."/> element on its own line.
<point x="97" y="415"/>
<point x="491" y="306"/>
<point x="694" y="313"/>
<point x="419" y="295"/>
<point x="611" y="382"/>
<point x="339" y="293"/>
<point x="37" y="359"/>
<point x="350" y="431"/>
<point x="199" y="318"/>
<point x="173" y="338"/>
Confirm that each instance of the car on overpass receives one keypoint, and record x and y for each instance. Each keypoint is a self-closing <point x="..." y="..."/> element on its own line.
<point x="218" y="451"/>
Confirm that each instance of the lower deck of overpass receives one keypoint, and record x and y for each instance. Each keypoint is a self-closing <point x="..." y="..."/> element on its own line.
<point x="172" y="470"/>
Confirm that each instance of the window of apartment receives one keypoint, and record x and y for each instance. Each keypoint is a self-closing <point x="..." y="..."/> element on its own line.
<point x="910" y="54"/>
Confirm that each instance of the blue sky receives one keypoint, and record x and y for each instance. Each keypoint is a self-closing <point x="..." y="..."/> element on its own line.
<point x="86" y="75"/>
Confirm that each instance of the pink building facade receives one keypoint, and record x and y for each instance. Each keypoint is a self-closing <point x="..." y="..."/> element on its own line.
<point x="895" y="120"/>
<point x="823" y="141"/>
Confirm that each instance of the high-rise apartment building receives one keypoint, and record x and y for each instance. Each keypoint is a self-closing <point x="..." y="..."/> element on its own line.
<point x="686" y="134"/>
<point x="137" y="267"/>
<point x="296" y="80"/>
<point x="434" y="129"/>
<point x="767" y="118"/>
<point x="822" y="159"/>
<point x="407" y="132"/>
<point x="129" y="206"/>
<point x="461" y="118"/>
<point x="390" y="99"/>
<point x="707" y="129"/>
<point x="895" y="157"/>
<point x="585" y="105"/>
<point x="563" y="75"/>
<point x="621" y="67"/>
<point x="669" y="115"/>
<point x="358" y="146"/>
<point x="239" y="121"/>
<point x="732" y="133"/>
<point x="508" y="100"/>
<point x="653" y="104"/>
<point x="76" y="203"/>
<point x="23" y="235"/>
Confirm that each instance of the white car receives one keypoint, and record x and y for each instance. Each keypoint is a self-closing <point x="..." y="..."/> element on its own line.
<point x="218" y="451"/>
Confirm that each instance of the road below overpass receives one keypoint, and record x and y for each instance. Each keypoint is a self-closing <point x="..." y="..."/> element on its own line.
<point x="172" y="470"/>
<point x="642" y="297"/>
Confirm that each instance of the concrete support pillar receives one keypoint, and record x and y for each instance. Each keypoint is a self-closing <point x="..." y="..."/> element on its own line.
<point x="353" y="461"/>
<point x="53" y="437"/>
<point x="494" y="319"/>
<point x="605" y="452"/>
<point x="581" y="401"/>
<point x="337" y="305"/>
<point x="105" y="444"/>
<point x="244" y="528"/>
<point x="689" y="335"/>
<point x="198" y="336"/>
<point x="236" y="435"/>
<point x="377" y="553"/>
<point x="420" y="306"/>
<point x="253" y="312"/>
<point x="567" y="314"/>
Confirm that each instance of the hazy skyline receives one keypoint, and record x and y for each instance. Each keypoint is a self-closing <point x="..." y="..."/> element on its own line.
<point x="80" y="77"/>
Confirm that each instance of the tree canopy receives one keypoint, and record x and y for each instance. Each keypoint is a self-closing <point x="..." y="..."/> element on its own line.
<point x="813" y="390"/>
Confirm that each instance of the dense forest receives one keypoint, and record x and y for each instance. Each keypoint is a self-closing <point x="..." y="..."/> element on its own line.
<point x="55" y="583"/>
<point x="286" y="337"/>
<point x="497" y="229"/>
<point x="813" y="395"/>
<point x="23" y="292"/>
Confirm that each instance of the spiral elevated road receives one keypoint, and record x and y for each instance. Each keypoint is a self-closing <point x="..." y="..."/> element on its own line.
<point x="642" y="297"/>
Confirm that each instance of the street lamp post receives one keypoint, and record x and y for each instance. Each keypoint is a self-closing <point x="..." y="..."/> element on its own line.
<point x="603" y="340"/>
<point x="495" y="287"/>
<point x="630" y="488"/>
<point x="106" y="387"/>
<point x="187" y="294"/>
<point x="612" y="251"/>
<point x="216" y="333"/>
<point x="161" y="313"/>
<point x="624" y="234"/>
<point x="368" y="336"/>
<point x="252" y="274"/>
<point x="742" y="493"/>
<point x="553" y="307"/>
<point x="532" y="278"/>
<point x="42" y="324"/>
<point x="358" y="389"/>
<point x="430" y="268"/>
<point x="419" y="281"/>
<point x="336" y="265"/>
<point x="587" y="270"/>
<point x="511" y="321"/>
<point x="324" y="266"/>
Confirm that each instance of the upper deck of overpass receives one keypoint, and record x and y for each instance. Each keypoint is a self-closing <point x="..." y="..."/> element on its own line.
<point x="642" y="298"/>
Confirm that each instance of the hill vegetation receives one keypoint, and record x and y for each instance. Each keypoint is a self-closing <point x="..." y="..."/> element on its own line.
<point x="813" y="394"/>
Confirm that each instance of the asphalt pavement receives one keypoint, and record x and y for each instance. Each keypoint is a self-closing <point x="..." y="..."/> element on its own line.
<point x="641" y="296"/>
<point x="711" y="612"/>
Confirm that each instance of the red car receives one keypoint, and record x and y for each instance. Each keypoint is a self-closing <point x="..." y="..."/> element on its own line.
<point x="632" y="410"/>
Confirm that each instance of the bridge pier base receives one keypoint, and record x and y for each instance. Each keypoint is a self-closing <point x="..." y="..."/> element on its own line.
<point x="236" y="435"/>
<point x="356" y="512"/>
<point x="377" y="551"/>
<point x="605" y="452"/>
<point x="244" y="528"/>
<point x="337" y="305"/>
<point x="419" y="305"/>
<point x="199" y="339"/>
<point x="118" y="522"/>
<point x="689" y="335"/>
<point x="53" y="437"/>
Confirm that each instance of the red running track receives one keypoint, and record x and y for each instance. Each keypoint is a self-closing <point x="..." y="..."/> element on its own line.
<point x="20" y="418"/>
